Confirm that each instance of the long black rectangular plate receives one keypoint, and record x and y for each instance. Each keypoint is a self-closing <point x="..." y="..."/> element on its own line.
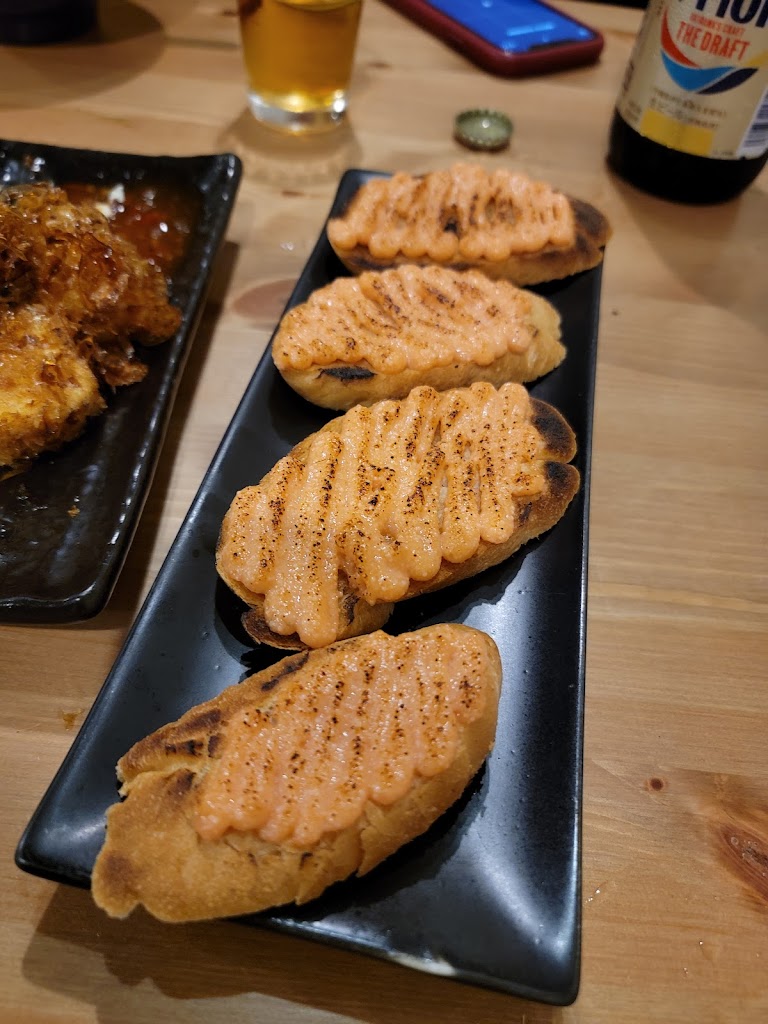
<point x="490" y="894"/>
<point x="56" y="566"/>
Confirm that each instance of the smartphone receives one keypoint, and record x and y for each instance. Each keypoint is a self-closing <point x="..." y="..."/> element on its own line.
<point x="507" y="37"/>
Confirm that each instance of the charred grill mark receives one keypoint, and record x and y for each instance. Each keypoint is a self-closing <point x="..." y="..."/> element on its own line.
<point x="347" y="373"/>
<point x="287" y="668"/>
<point x="262" y="634"/>
<point x="472" y="214"/>
<point x="556" y="433"/>
<point x="360" y="262"/>
<point x="205" y="721"/>
<point x="180" y="783"/>
<point x="193" y="748"/>
<point x="350" y="605"/>
<point x="590" y="221"/>
<point x="214" y="742"/>
<point x="563" y="479"/>
<point x="525" y="512"/>
<point x="119" y="870"/>
<point x="439" y="296"/>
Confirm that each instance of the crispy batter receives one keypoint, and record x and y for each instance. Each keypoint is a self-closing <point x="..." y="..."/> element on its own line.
<point x="73" y="295"/>
<point x="47" y="391"/>
<point x="67" y="258"/>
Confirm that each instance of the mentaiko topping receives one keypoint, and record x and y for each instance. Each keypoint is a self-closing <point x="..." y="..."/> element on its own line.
<point x="406" y="318"/>
<point x="461" y="212"/>
<point x="364" y="727"/>
<point x="381" y="499"/>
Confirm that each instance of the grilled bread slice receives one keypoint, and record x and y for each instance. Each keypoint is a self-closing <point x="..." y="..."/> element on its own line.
<point x="318" y="767"/>
<point x="379" y="335"/>
<point x="390" y="501"/>
<point x="501" y="222"/>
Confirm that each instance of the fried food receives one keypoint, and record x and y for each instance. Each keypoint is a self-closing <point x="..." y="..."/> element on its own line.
<point x="67" y="256"/>
<point x="62" y="262"/>
<point x="315" y="768"/>
<point x="47" y="390"/>
<point x="501" y="222"/>
<point x="379" y="335"/>
<point x="391" y="501"/>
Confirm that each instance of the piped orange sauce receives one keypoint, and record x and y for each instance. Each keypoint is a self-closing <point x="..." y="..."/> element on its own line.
<point x="463" y="212"/>
<point x="406" y="318"/>
<point x="381" y="501"/>
<point x="385" y="712"/>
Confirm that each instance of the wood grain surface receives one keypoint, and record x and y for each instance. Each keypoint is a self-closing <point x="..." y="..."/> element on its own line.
<point x="675" y="899"/>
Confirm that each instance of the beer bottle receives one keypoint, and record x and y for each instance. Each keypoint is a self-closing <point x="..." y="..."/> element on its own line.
<point x="691" y="119"/>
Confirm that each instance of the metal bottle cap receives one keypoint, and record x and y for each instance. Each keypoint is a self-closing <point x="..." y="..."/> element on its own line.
<point x="482" y="129"/>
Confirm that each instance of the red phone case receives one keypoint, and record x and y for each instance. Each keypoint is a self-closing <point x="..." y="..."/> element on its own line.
<point x="556" y="57"/>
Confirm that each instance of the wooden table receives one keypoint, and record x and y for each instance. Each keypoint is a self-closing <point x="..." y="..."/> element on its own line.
<point x="675" y="896"/>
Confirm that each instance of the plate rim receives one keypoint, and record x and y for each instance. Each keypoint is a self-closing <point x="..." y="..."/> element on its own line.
<point x="90" y="596"/>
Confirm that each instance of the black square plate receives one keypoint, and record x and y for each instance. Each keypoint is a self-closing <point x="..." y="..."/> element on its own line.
<point x="491" y="894"/>
<point x="59" y="567"/>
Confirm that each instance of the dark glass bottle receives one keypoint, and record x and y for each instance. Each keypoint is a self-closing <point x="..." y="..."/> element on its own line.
<point x="691" y="120"/>
<point x="671" y="174"/>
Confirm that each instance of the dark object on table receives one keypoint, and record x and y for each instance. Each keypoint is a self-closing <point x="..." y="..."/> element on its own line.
<point x="512" y="38"/>
<point x="709" y="140"/>
<point x="36" y="22"/>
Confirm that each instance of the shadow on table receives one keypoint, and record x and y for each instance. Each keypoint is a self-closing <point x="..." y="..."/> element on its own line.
<point x="140" y="969"/>
<point x="127" y="40"/>
<point x="725" y="264"/>
<point x="293" y="161"/>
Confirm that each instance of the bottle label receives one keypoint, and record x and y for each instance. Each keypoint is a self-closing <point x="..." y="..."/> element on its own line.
<point x="697" y="80"/>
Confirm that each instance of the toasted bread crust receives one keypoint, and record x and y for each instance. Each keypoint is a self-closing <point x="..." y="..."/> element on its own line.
<point x="593" y="233"/>
<point x="523" y="264"/>
<point x="379" y="335"/>
<point x="154" y="856"/>
<point x="537" y="514"/>
<point x="334" y="388"/>
<point x="359" y="616"/>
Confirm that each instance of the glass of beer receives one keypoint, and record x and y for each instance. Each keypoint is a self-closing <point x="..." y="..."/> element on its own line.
<point x="298" y="58"/>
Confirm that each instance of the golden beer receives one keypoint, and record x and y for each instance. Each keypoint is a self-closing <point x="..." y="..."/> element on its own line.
<point x="298" y="57"/>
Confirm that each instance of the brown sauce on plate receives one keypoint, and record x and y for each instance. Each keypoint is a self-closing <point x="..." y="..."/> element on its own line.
<point x="156" y="218"/>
